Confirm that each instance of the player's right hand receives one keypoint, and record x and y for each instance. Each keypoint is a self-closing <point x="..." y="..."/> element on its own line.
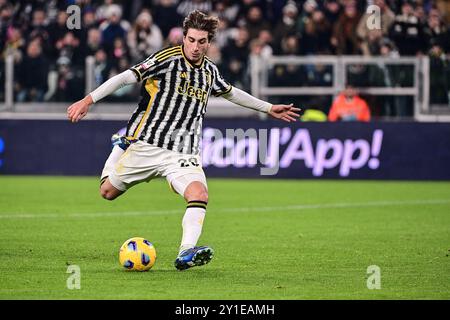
<point x="79" y="109"/>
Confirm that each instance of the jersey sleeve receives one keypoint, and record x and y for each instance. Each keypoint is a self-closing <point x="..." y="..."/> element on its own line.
<point x="145" y="69"/>
<point x="154" y="64"/>
<point x="219" y="85"/>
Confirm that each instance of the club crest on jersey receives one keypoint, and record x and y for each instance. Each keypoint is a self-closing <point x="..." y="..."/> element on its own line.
<point x="185" y="88"/>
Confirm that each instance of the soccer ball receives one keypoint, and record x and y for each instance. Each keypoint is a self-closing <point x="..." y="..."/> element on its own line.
<point x="137" y="254"/>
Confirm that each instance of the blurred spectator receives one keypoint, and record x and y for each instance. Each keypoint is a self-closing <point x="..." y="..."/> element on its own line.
<point x="114" y="27"/>
<point x="348" y="106"/>
<point x="93" y="43"/>
<point x="214" y="54"/>
<point x="436" y="32"/>
<point x="266" y="39"/>
<point x="89" y="23"/>
<point x="166" y="16"/>
<point x="101" y="67"/>
<point x="290" y="75"/>
<point x="224" y="33"/>
<point x="407" y="32"/>
<point x="235" y="55"/>
<point x="102" y="11"/>
<point x="371" y="44"/>
<point x="288" y="23"/>
<point x="395" y="76"/>
<point x="308" y="8"/>
<point x="144" y="37"/>
<point x="32" y="74"/>
<point x="175" y="37"/>
<point x="57" y="31"/>
<point x="14" y="44"/>
<point x="344" y="38"/>
<point x="6" y="15"/>
<point x="255" y="22"/>
<point x="186" y="6"/>
<point x="89" y="20"/>
<point x="387" y="19"/>
<point x="331" y="10"/>
<point x="439" y="76"/>
<point x="38" y="30"/>
<point x="69" y="46"/>
<point x="120" y="51"/>
<point x="444" y="7"/>
<point x="226" y="10"/>
<point x="316" y="34"/>
<point x="438" y="39"/>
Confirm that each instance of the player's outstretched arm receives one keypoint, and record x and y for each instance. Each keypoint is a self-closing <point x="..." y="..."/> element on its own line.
<point x="283" y="112"/>
<point x="79" y="109"/>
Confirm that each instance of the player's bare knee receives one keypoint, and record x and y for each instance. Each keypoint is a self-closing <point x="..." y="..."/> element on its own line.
<point x="196" y="191"/>
<point x="105" y="194"/>
<point x="108" y="194"/>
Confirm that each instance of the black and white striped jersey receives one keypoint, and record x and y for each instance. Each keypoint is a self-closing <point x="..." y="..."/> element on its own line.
<point x="174" y="98"/>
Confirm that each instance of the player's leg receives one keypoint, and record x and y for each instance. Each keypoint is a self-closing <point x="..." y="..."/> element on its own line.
<point x="108" y="191"/>
<point x="196" y="196"/>
<point x="194" y="189"/>
<point x="120" y="144"/>
<point x="135" y="165"/>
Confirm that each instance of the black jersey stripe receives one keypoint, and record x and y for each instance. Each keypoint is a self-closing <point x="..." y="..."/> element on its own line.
<point x="152" y="87"/>
<point x="190" y="120"/>
<point x="182" y="103"/>
<point x="179" y="127"/>
<point x="194" y="121"/>
<point x="140" y="109"/>
<point x="165" y="108"/>
<point x="157" y="103"/>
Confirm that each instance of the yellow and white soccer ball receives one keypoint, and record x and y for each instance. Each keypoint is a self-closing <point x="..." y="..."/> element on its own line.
<point x="137" y="254"/>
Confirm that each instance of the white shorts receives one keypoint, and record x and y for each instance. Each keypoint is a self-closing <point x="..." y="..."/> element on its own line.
<point x="144" y="162"/>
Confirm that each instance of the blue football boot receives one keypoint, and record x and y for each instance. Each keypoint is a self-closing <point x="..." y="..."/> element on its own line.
<point x="196" y="256"/>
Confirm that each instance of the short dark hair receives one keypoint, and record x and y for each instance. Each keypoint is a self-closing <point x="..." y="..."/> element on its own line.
<point x="200" y="21"/>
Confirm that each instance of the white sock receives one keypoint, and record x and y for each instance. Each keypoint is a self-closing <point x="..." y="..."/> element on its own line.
<point x="116" y="153"/>
<point x="192" y="225"/>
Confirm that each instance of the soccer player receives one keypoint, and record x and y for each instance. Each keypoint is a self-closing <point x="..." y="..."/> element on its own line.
<point x="162" y="136"/>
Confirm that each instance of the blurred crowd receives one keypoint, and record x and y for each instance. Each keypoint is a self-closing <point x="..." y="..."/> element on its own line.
<point x="50" y="58"/>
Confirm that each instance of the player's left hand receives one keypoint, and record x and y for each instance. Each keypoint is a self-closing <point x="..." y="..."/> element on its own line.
<point x="285" y="112"/>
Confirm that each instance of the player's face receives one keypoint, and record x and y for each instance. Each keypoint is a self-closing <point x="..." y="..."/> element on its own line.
<point x="196" y="44"/>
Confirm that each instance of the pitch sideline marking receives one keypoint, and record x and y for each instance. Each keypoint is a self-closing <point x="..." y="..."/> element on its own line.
<point x="231" y="210"/>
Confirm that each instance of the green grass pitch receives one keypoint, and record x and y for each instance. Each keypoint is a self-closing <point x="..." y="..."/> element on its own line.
<point x="274" y="239"/>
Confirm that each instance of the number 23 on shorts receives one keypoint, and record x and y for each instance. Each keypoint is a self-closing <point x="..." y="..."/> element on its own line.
<point x="189" y="162"/>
